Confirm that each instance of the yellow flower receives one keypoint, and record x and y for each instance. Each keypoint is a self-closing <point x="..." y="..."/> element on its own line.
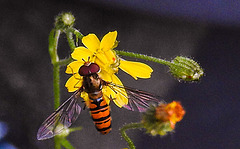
<point x="103" y="55"/>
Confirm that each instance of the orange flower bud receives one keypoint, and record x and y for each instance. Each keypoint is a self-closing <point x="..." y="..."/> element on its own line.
<point x="162" y="119"/>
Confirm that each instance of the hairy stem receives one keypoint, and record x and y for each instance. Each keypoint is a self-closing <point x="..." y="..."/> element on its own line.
<point x="56" y="85"/>
<point x="53" y="44"/>
<point x="70" y="39"/>
<point x="125" y="136"/>
<point x="144" y="57"/>
<point x="64" y="62"/>
<point x="76" y="32"/>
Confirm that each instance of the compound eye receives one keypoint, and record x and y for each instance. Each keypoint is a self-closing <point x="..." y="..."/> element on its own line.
<point x="94" y="68"/>
<point x="88" y="69"/>
<point x="83" y="71"/>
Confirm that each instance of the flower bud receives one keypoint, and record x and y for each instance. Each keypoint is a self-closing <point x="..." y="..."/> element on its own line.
<point x="64" y="21"/>
<point x="162" y="119"/>
<point x="186" y="69"/>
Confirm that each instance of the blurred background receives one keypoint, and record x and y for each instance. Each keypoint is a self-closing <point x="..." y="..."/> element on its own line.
<point x="206" y="30"/>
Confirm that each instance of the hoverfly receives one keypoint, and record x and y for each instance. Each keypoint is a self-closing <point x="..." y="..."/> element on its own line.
<point x="92" y="84"/>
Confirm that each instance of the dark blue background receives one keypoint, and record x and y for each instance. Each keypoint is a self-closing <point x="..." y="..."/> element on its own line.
<point x="208" y="31"/>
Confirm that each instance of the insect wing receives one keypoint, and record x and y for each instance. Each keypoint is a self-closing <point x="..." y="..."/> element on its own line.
<point x="140" y="100"/>
<point x="61" y="119"/>
<point x="137" y="100"/>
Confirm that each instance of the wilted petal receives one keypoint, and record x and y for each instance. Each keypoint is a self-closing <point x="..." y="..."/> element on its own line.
<point x="175" y="112"/>
<point x="91" y="42"/>
<point x="73" y="67"/>
<point x="136" y="69"/>
<point x="74" y="83"/>
<point x="81" y="53"/>
<point x="108" y="41"/>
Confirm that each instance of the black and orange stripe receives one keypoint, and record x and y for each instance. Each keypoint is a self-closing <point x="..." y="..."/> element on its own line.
<point x="100" y="112"/>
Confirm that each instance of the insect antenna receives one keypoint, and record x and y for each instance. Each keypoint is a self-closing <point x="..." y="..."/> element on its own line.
<point x="83" y="60"/>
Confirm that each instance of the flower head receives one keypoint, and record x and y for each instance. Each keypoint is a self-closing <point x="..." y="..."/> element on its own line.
<point x="162" y="119"/>
<point x="172" y="112"/>
<point x="102" y="53"/>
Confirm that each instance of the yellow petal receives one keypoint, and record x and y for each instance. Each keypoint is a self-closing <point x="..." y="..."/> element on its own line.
<point x="111" y="57"/>
<point x="74" y="83"/>
<point x="73" y="67"/>
<point x="108" y="94"/>
<point x="106" y="98"/>
<point x="91" y="42"/>
<point x="136" y="69"/>
<point x="81" y="53"/>
<point x="121" y="96"/>
<point x="108" y="41"/>
<point x="101" y="59"/>
<point x="105" y="75"/>
<point x="84" y="95"/>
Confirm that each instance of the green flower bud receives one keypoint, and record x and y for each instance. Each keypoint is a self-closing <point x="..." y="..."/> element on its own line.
<point x="186" y="69"/>
<point x="64" y="21"/>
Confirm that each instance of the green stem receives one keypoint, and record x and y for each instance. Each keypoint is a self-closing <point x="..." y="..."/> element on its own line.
<point x="64" y="62"/>
<point x="65" y="143"/>
<point x="76" y="33"/>
<point x="144" y="57"/>
<point x="57" y="141"/>
<point x="125" y="136"/>
<point x="70" y="31"/>
<point x="51" y="41"/>
<point x="70" y="39"/>
<point x="56" y="85"/>
<point x="53" y="44"/>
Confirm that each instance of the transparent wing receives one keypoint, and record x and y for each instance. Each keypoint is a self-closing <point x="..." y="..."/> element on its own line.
<point x="61" y="119"/>
<point x="137" y="100"/>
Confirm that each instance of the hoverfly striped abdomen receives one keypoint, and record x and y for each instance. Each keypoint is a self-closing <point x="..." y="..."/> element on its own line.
<point x="100" y="112"/>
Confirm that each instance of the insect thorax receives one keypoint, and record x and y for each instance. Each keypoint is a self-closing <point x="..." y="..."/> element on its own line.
<point x="92" y="83"/>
